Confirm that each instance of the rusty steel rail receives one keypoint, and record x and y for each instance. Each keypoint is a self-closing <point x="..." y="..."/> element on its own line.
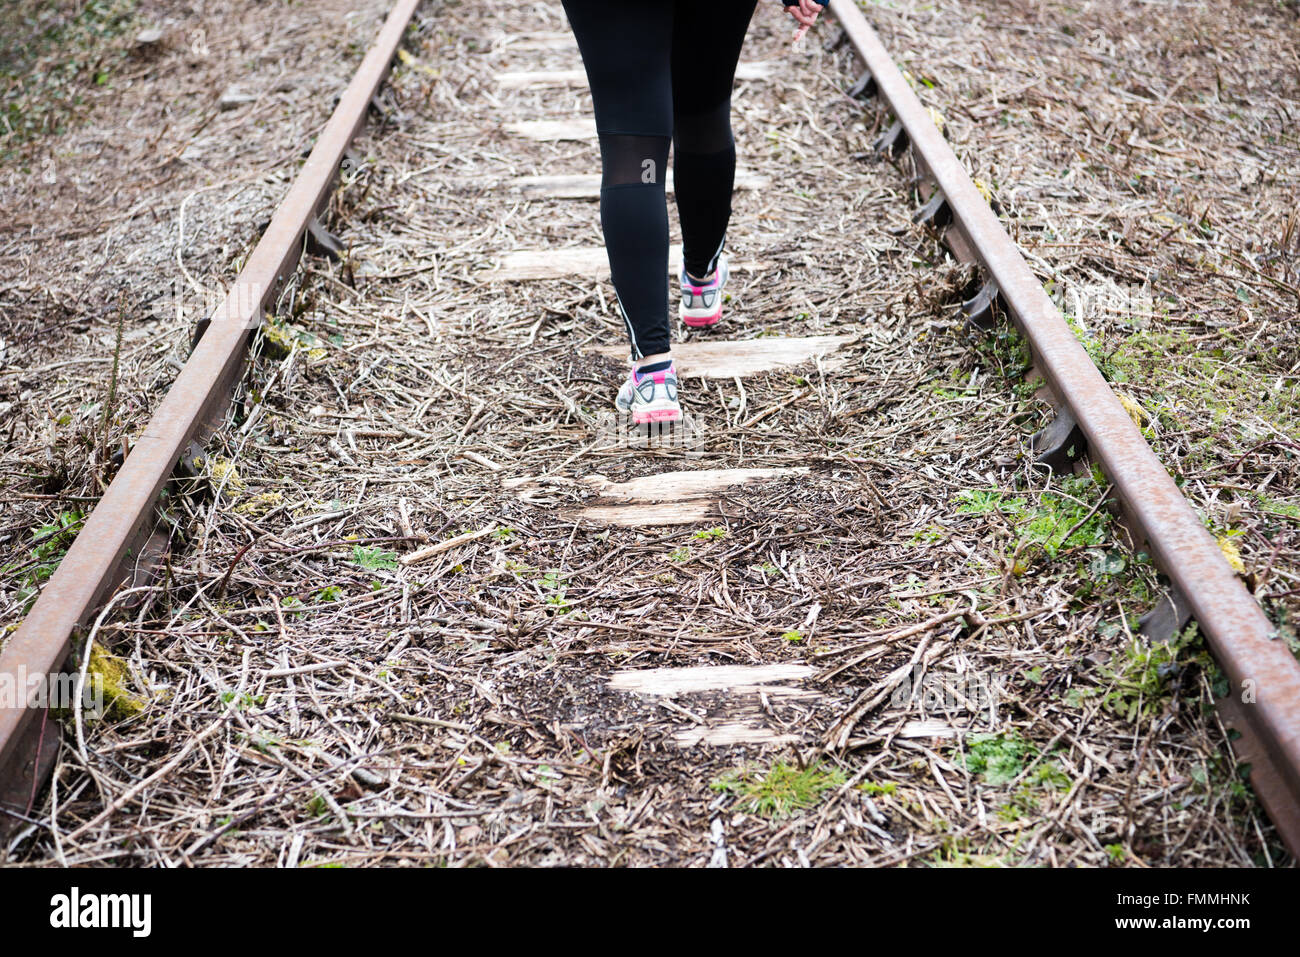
<point x="1263" y="704"/>
<point x="110" y="543"/>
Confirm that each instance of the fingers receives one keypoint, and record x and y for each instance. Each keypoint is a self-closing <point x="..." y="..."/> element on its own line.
<point x="805" y="11"/>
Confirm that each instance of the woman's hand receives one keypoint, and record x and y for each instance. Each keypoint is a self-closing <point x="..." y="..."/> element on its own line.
<point x="805" y="12"/>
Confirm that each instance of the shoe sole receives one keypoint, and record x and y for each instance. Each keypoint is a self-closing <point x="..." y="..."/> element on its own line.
<point x="648" y="416"/>
<point x="699" y="322"/>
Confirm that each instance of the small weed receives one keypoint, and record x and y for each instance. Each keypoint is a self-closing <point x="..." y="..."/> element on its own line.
<point x="1056" y="522"/>
<point x="49" y="544"/>
<point x="781" y="790"/>
<point x="986" y="501"/>
<point x="928" y="535"/>
<point x="871" y="787"/>
<point x="679" y="554"/>
<point x="955" y="853"/>
<point x="374" y="558"/>
<point x="553" y="584"/>
<point x="997" y="758"/>
<point x="710" y="534"/>
<point x="242" y="702"/>
<point x="1138" y="675"/>
<point x="792" y="636"/>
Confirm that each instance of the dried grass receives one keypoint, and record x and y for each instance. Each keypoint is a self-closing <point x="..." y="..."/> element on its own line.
<point x="313" y="702"/>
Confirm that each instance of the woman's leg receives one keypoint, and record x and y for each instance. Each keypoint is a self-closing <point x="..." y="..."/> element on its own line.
<point x="706" y="47"/>
<point x="626" y="49"/>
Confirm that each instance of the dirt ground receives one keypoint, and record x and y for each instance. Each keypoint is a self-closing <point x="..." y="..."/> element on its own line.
<point x="961" y="684"/>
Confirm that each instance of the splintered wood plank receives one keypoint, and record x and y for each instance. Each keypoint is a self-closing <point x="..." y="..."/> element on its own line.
<point x="928" y="728"/>
<point x="670" y="498"/>
<point x="735" y="678"/>
<point x="587" y="186"/>
<point x="553" y="130"/>
<point x="533" y="79"/>
<point x="680" y="486"/>
<point x="537" y="41"/>
<point x="574" y="262"/>
<point x="726" y="360"/>
<point x="526" y="265"/>
<point x="730" y="733"/>
<point x="694" y="511"/>
<point x="730" y="694"/>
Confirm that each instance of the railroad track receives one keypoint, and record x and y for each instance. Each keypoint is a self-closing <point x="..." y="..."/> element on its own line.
<point x="113" y="556"/>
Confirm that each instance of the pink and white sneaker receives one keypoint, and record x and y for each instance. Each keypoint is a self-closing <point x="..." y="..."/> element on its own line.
<point x="650" y="396"/>
<point x="702" y="302"/>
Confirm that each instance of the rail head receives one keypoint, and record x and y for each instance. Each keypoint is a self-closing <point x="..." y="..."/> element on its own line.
<point x="1264" y="705"/>
<point x="109" y="543"/>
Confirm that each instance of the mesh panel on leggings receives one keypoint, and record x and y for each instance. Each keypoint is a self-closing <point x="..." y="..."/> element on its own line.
<point x="628" y="160"/>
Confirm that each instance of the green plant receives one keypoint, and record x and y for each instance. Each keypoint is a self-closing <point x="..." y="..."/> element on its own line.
<point x="1057" y="521"/>
<point x="997" y="758"/>
<point x="1137" y="675"/>
<point x="781" y="789"/>
<point x="553" y="585"/>
<point x="986" y="501"/>
<point x="871" y="787"/>
<point x="49" y="544"/>
<point x="710" y="534"/>
<point x="374" y="558"/>
<point x="51" y="58"/>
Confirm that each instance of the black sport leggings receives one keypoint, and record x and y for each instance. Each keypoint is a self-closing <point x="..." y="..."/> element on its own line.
<point x="661" y="72"/>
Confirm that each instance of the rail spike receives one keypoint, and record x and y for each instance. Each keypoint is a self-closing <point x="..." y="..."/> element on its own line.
<point x="119" y="525"/>
<point x="893" y="142"/>
<point x="1263" y="675"/>
<point x="981" y="309"/>
<point x="1059" y="444"/>
<point x="936" y="212"/>
<point x="864" y="87"/>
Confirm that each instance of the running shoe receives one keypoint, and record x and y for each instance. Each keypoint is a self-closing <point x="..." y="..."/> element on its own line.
<point x="650" y="396"/>
<point x="702" y="302"/>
